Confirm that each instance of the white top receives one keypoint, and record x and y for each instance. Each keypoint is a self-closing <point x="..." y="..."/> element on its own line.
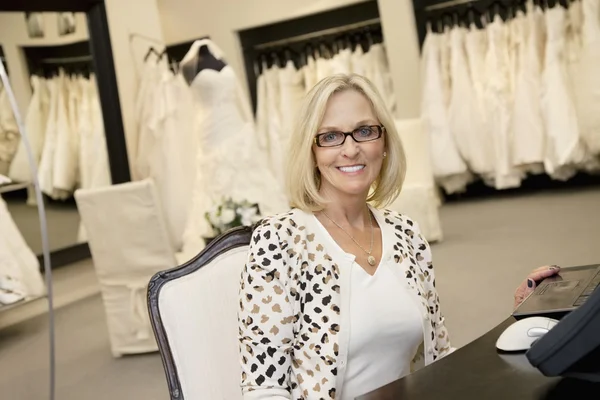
<point x="385" y="325"/>
<point x="385" y="331"/>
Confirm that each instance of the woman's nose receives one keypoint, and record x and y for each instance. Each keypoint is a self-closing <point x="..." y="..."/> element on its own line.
<point x="350" y="147"/>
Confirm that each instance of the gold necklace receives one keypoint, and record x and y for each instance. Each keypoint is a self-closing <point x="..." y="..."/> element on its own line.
<point x="370" y="259"/>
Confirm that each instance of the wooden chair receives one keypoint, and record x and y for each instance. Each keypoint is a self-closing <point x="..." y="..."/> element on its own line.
<point x="193" y="311"/>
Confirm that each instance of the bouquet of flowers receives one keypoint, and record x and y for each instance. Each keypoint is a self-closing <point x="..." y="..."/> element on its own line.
<point x="230" y="214"/>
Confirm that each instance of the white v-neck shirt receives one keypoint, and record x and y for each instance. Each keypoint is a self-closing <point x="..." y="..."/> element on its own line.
<point x="385" y="330"/>
<point x="385" y="326"/>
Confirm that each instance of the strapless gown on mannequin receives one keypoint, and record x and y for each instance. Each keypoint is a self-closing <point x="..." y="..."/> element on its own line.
<point x="229" y="162"/>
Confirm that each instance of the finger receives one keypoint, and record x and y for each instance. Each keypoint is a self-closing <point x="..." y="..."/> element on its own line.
<point x="524" y="290"/>
<point x="543" y="272"/>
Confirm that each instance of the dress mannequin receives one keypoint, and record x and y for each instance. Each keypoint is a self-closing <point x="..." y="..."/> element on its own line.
<point x="205" y="59"/>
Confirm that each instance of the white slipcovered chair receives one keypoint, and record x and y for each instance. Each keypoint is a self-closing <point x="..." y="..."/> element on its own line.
<point x="129" y="243"/>
<point x="419" y="197"/>
<point x="193" y="309"/>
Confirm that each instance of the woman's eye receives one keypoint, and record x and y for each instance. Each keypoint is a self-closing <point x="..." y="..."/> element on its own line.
<point x="365" y="131"/>
<point x="330" y="137"/>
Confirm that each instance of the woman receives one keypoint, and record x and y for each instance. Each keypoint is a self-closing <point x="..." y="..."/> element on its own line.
<point x="338" y="296"/>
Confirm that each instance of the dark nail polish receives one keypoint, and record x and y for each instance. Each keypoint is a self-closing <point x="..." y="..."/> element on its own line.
<point x="529" y="283"/>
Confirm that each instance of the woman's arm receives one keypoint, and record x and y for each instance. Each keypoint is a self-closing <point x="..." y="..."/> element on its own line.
<point x="424" y="258"/>
<point x="265" y="319"/>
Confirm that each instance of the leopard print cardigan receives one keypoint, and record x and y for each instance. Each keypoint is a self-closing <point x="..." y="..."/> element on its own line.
<point x="293" y="331"/>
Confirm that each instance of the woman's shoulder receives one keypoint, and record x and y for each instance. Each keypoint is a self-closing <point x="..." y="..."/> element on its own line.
<point x="283" y="224"/>
<point x="398" y="220"/>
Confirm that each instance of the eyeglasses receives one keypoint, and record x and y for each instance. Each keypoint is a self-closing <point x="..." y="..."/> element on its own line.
<point x="360" y="135"/>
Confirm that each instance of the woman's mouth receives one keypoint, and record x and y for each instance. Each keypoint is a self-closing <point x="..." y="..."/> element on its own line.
<point x="352" y="168"/>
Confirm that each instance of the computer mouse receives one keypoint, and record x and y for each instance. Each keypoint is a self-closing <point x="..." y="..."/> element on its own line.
<point x="521" y="334"/>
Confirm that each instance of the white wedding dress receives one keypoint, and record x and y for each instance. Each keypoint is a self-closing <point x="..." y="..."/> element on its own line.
<point x="466" y="120"/>
<point x="9" y="133"/>
<point x="564" y="150"/>
<point x="498" y="94"/>
<point x="35" y="125"/>
<point x="528" y="134"/>
<point x="229" y="163"/>
<point x="449" y="169"/>
<point x="587" y="81"/>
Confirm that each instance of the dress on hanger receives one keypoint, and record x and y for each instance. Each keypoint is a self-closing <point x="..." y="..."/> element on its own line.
<point x="229" y="163"/>
<point x="587" y="80"/>
<point x="341" y="63"/>
<point x="19" y="267"/>
<point x="449" y="169"/>
<point x="563" y="150"/>
<point x="66" y="156"/>
<point x="323" y="68"/>
<point x="310" y="73"/>
<point x="274" y="122"/>
<point x="498" y="94"/>
<point x="291" y="87"/>
<point x="527" y="133"/>
<point x="483" y="144"/>
<point x="377" y="70"/>
<point x="357" y="63"/>
<point x="9" y="133"/>
<point x="35" y="125"/>
<point x="466" y="122"/>
<point x="145" y="109"/>
<point x="46" y="166"/>
<point x="262" y="112"/>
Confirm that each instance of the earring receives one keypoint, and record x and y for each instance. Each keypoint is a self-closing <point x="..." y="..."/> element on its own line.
<point x="384" y="154"/>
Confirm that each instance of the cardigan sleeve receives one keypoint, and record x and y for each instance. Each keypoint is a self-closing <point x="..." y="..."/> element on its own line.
<point x="423" y="255"/>
<point x="265" y="319"/>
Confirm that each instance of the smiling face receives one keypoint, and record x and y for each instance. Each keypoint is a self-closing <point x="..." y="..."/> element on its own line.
<point x="350" y="169"/>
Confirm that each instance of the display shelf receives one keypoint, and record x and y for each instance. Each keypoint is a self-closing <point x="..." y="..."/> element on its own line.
<point x="11" y="187"/>
<point x="5" y="308"/>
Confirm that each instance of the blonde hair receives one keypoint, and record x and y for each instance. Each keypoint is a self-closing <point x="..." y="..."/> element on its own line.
<point x="303" y="178"/>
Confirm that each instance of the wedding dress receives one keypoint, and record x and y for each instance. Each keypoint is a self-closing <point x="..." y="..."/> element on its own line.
<point x="482" y="156"/>
<point x="587" y="81"/>
<point x="528" y="134"/>
<point x="274" y="122"/>
<point x="464" y="116"/>
<point x="310" y="73"/>
<point x="9" y="133"/>
<point x="449" y="169"/>
<point x="20" y="276"/>
<point x="377" y="71"/>
<point x="35" y="125"/>
<point x="563" y="147"/>
<point x="291" y="91"/>
<point x="498" y="92"/>
<point x="229" y="163"/>
<point x="66" y="156"/>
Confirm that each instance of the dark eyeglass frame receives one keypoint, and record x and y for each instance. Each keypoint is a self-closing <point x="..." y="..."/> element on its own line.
<point x="380" y="129"/>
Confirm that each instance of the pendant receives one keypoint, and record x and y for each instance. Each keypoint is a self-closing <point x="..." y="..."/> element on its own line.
<point x="371" y="260"/>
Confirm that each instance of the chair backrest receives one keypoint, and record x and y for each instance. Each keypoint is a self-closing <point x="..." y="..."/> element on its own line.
<point x="125" y="229"/>
<point x="193" y="310"/>
<point x="129" y="243"/>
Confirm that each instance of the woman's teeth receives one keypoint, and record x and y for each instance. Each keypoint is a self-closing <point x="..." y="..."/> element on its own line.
<point x="354" y="168"/>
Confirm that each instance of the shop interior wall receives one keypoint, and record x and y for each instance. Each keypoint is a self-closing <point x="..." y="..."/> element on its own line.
<point x="174" y="21"/>
<point x="13" y="35"/>
<point x="184" y="20"/>
<point x="126" y="18"/>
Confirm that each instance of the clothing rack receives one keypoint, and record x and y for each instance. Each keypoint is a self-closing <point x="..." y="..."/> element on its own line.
<point x="319" y="34"/>
<point x="48" y="60"/>
<point x="292" y="36"/>
<point x="448" y="4"/>
<point x="66" y="60"/>
<point x="134" y="35"/>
